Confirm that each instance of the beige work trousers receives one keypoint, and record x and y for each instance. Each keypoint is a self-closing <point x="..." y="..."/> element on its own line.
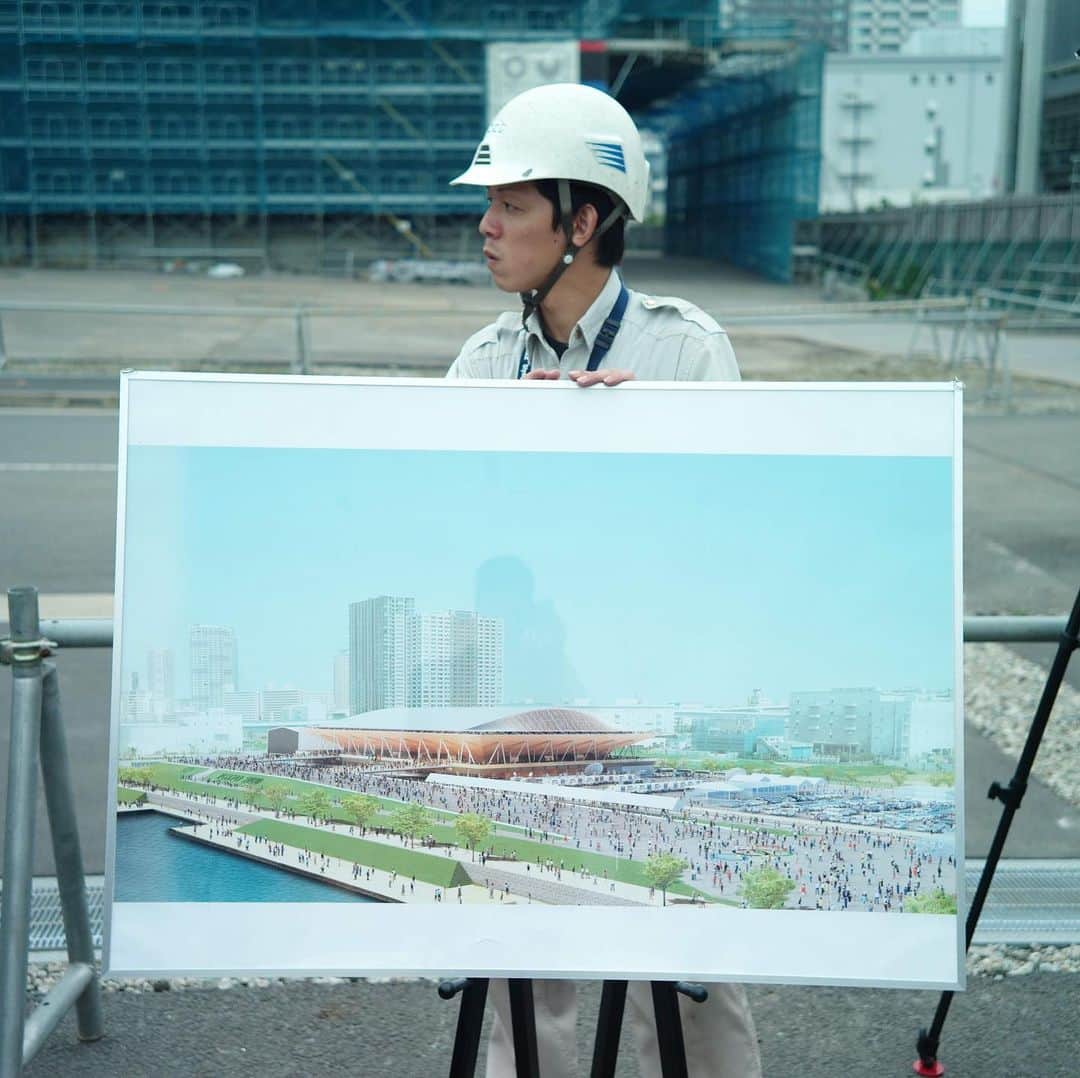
<point x="719" y="1034"/>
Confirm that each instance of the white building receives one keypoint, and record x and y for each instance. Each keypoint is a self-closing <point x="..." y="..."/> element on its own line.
<point x="882" y="26"/>
<point x="214" y="665"/>
<point x="916" y="125"/>
<point x="455" y="660"/>
<point x="194" y="734"/>
<point x="904" y="726"/>
<point x="399" y="658"/>
<point x="244" y="704"/>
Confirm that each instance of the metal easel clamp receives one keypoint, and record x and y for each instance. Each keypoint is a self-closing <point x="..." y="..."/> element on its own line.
<point x="24" y="652"/>
<point x="1010" y="795"/>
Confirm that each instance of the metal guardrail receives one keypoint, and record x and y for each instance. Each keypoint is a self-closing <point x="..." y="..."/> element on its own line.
<point x="953" y="311"/>
<point x="978" y="629"/>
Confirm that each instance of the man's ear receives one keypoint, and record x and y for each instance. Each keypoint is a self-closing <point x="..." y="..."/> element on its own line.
<point x="586" y="222"/>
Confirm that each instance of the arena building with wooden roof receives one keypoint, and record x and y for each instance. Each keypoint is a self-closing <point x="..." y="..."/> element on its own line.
<point x="470" y="741"/>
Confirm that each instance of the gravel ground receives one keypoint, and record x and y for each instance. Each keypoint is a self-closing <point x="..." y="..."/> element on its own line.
<point x="1001" y="693"/>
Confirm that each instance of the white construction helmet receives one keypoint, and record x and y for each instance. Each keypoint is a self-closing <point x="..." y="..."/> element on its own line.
<point x="564" y="131"/>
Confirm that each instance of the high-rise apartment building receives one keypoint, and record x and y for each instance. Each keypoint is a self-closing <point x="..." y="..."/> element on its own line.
<point x="378" y="661"/>
<point x="823" y="21"/>
<point x="399" y="658"/>
<point x="455" y="660"/>
<point x="214" y="665"/>
<point x="884" y="25"/>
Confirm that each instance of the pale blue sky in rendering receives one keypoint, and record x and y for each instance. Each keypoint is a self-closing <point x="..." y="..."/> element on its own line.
<point x="674" y="577"/>
<point x="983" y="12"/>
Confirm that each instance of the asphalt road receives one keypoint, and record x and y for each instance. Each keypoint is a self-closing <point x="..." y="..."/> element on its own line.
<point x="1021" y="549"/>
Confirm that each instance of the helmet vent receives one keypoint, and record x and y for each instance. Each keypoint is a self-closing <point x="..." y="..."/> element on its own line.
<point x="483" y="154"/>
<point x="608" y="153"/>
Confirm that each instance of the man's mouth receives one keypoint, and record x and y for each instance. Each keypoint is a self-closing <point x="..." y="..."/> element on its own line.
<point x="490" y="255"/>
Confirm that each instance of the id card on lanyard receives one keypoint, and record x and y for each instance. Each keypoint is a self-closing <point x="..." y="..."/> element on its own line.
<point x="604" y="339"/>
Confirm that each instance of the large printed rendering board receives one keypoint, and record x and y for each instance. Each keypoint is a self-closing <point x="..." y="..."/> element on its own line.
<point x="494" y="678"/>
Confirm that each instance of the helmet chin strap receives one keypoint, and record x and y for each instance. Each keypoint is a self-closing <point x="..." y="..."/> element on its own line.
<point x="532" y="299"/>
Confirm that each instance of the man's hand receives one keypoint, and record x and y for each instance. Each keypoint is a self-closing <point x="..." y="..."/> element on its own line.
<point x="542" y="376"/>
<point x="604" y="378"/>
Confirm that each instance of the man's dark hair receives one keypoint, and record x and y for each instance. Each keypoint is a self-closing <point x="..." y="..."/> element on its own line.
<point x="611" y="246"/>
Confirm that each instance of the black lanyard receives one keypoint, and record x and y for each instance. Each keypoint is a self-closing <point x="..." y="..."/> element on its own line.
<point x="604" y="339"/>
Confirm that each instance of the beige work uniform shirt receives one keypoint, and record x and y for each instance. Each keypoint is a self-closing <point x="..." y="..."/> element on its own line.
<point x="660" y="338"/>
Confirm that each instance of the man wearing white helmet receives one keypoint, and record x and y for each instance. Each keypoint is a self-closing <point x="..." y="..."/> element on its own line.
<point x="563" y="168"/>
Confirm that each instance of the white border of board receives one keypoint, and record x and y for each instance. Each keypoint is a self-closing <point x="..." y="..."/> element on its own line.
<point x="783" y="946"/>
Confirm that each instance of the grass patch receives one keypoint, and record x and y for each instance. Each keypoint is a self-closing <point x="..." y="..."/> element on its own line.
<point x="124" y="796"/>
<point x="427" y="867"/>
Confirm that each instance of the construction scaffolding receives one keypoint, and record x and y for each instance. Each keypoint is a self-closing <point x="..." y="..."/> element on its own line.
<point x="744" y="150"/>
<point x="1021" y="253"/>
<point x="320" y="135"/>
<point x="251" y="129"/>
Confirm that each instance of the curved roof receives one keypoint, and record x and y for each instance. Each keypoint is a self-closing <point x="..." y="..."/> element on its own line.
<point x="547" y="720"/>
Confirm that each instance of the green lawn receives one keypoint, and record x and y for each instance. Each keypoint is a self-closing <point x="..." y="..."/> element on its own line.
<point x="124" y="796"/>
<point x="430" y="868"/>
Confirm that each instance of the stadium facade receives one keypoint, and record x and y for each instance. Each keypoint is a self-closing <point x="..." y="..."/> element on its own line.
<point x="492" y="742"/>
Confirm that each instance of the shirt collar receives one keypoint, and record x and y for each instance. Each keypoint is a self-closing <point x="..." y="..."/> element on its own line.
<point x="591" y="321"/>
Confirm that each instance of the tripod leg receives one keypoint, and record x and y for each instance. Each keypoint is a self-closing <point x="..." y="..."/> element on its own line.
<point x="669" y="1034"/>
<point x="1010" y="796"/>
<point x="608" y="1029"/>
<point x="470" y="1020"/>
<point x="523" y="1023"/>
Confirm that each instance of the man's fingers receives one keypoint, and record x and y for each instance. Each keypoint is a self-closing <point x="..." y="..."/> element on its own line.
<point x="542" y="376"/>
<point x="607" y="378"/>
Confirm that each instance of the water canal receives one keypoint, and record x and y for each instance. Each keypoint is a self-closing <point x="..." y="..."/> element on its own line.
<point x="153" y="865"/>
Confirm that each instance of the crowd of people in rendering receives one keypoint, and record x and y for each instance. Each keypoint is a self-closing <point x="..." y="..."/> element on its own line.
<point x="831" y="865"/>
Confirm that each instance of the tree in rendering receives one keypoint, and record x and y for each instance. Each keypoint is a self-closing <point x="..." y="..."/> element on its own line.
<point x="276" y="796"/>
<point x="936" y="901"/>
<point x="360" y="808"/>
<point x="316" y="804"/>
<point x="410" y="821"/>
<point x="765" y="889"/>
<point x="472" y="829"/>
<point x="662" y="870"/>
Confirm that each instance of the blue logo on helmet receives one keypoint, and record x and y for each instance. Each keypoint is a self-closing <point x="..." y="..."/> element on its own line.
<point x="608" y="153"/>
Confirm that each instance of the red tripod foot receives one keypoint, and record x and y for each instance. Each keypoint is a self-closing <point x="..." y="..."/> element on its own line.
<point x="928" y="1070"/>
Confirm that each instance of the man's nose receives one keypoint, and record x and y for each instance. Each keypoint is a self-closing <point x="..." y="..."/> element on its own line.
<point x="487" y="224"/>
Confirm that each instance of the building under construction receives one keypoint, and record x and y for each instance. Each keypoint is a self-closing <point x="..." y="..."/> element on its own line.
<point x="313" y="135"/>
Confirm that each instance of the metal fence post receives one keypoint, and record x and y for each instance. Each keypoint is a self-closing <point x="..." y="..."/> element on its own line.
<point x="24" y="652"/>
<point x="300" y="364"/>
<point x="67" y="852"/>
<point x="37" y="734"/>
